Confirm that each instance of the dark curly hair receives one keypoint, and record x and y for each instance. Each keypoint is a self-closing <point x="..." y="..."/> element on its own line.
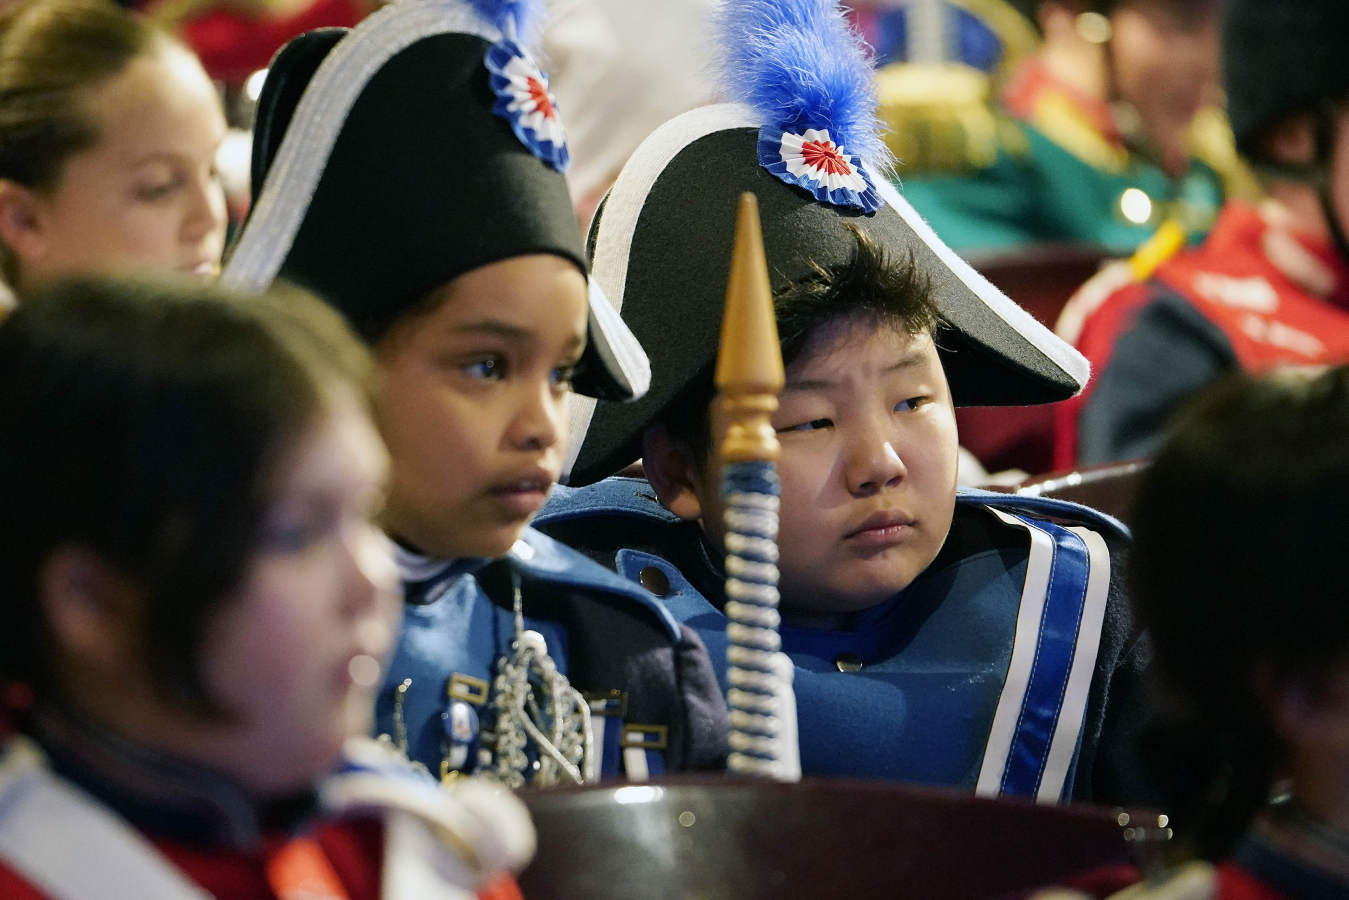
<point x="873" y="287"/>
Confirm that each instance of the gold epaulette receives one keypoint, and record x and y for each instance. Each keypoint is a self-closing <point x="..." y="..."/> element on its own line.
<point x="940" y="119"/>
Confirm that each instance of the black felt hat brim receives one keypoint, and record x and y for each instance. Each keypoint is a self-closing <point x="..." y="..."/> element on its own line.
<point x="678" y="261"/>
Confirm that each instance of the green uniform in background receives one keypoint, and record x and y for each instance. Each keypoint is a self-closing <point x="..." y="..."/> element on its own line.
<point x="1041" y="167"/>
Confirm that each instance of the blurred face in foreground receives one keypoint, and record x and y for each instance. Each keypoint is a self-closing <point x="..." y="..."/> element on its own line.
<point x="296" y="655"/>
<point x="290" y="657"/>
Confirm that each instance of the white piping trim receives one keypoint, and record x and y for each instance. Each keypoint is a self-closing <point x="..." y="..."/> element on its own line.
<point x="613" y="242"/>
<point x="624" y="348"/>
<point x="594" y="762"/>
<point x="634" y="764"/>
<point x="1074" y="707"/>
<point x="1024" y="646"/>
<point x="580" y="410"/>
<point x="71" y="846"/>
<point x="417" y="863"/>
<point x="318" y="118"/>
<point x="1041" y="338"/>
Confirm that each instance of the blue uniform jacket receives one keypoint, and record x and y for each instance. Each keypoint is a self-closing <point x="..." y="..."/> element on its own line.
<point x="654" y="698"/>
<point x="1009" y="667"/>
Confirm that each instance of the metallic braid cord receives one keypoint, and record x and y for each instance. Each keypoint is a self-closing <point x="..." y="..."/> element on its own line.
<point x="550" y="713"/>
<point x="751" y="492"/>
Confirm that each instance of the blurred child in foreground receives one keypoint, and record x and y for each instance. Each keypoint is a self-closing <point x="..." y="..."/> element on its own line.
<point x="1237" y="573"/>
<point x="198" y="609"/>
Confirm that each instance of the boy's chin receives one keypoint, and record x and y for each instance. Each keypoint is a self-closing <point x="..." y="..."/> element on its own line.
<point x="843" y="598"/>
<point x="483" y="541"/>
<point x="830" y="611"/>
<point x="495" y="542"/>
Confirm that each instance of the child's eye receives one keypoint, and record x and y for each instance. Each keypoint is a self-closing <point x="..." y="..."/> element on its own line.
<point x="563" y="376"/>
<point x="911" y="404"/>
<point x="158" y="190"/>
<point x="292" y="537"/>
<point x="812" y="425"/>
<point x="489" y="368"/>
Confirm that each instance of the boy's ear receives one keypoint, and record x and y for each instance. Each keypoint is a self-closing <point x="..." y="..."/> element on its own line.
<point x="21" y="220"/>
<point x="92" y="611"/>
<point x="1291" y="141"/>
<point x="671" y="470"/>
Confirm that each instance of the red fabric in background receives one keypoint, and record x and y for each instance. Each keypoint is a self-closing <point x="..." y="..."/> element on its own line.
<point x="233" y="46"/>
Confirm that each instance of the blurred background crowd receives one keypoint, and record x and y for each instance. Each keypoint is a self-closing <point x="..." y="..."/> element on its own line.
<point x="1164" y="187"/>
<point x="1041" y="140"/>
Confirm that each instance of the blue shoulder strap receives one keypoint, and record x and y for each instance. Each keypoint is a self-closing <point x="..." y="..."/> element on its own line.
<point x="1037" y="725"/>
<point x="540" y="556"/>
<point x="616" y="496"/>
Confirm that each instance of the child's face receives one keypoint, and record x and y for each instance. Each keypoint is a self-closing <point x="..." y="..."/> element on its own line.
<point x="146" y="194"/>
<point x="296" y="654"/>
<point x="472" y="404"/>
<point x="868" y="468"/>
<point x="1165" y="57"/>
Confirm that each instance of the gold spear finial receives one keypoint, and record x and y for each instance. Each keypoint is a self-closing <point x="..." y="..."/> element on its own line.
<point x="749" y="371"/>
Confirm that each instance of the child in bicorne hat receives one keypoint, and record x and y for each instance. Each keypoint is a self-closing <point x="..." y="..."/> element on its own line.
<point x="410" y="171"/>
<point x="939" y="636"/>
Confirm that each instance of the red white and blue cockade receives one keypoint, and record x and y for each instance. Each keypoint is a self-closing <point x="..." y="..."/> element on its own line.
<point x="812" y="160"/>
<point x="523" y="99"/>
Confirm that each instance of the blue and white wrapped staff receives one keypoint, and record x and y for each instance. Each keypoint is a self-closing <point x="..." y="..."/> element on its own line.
<point x="749" y="376"/>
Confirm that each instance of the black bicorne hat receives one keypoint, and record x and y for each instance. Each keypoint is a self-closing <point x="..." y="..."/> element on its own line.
<point x="660" y="248"/>
<point x="392" y="157"/>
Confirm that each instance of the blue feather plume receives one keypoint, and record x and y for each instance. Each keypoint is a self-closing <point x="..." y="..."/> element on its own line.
<point x="521" y="18"/>
<point x="800" y="64"/>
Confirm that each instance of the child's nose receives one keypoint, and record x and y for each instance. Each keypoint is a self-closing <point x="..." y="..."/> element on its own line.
<point x="538" y="423"/>
<point x="873" y="465"/>
<point x="373" y="572"/>
<point x="206" y="211"/>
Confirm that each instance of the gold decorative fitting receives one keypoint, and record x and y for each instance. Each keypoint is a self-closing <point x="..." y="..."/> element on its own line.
<point x="939" y="116"/>
<point x="648" y="737"/>
<point x="749" y="377"/>
<point x="467" y="688"/>
<point x="612" y="704"/>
